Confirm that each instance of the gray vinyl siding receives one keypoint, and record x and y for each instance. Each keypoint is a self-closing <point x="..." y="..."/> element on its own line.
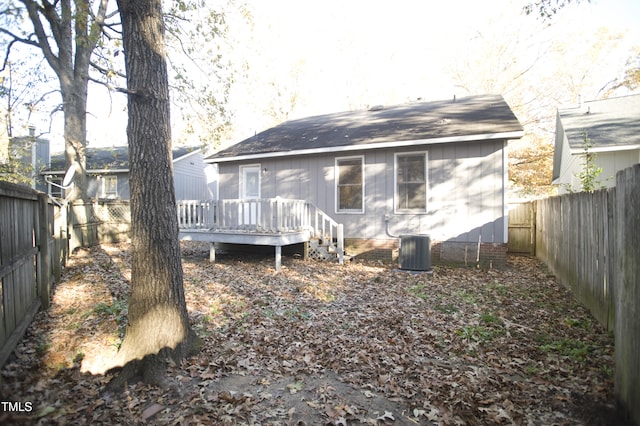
<point x="189" y="178"/>
<point x="94" y="185"/>
<point x="465" y="193"/>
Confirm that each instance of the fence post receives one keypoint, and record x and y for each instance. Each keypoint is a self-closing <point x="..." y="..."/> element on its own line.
<point x="627" y="293"/>
<point x="44" y="270"/>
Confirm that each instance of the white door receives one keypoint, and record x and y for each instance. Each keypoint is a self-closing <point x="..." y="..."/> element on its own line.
<point x="250" y="190"/>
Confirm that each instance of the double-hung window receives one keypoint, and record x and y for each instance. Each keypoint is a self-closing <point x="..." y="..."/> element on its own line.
<point x="110" y="187"/>
<point x="350" y="185"/>
<point x="411" y="183"/>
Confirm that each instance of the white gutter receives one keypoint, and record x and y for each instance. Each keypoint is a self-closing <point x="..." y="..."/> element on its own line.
<point x="91" y="171"/>
<point x="379" y="145"/>
<point x="195" y="151"/>
<point x="616" y="148"/>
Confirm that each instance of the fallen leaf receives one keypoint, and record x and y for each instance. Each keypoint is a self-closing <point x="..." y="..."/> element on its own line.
<point x="388" y="415"/>
<point x="152" y="411"/>
<point x="295" y="387"/>
<point x="45" y="411"/>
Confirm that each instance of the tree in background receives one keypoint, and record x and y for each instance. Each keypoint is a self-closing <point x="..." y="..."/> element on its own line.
<point x="589" y="176"/>
<point x="547" y="9"/>
<point x="66" y="33"/>
<point x="80" y="41"/>
<point x="158" y="326"/>
<point x="201" y="72"/>
<point x="537" y="67"/>
<point x="630" y="80"/>
<point x="21" y="102"/>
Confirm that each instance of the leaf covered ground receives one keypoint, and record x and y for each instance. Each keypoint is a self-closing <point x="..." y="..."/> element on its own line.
<point x="323" y="344"/>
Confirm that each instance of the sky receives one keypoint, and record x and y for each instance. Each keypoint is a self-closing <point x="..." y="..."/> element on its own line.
<point x="341" y="55"/>
<point x="346" y="55"/>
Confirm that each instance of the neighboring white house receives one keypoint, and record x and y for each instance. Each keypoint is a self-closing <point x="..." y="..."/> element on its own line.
<point x="612" y="127"/>
<point x="108" y="173"/>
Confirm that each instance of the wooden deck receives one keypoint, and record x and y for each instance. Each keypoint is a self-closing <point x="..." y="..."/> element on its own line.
<point x="273" y="222"/>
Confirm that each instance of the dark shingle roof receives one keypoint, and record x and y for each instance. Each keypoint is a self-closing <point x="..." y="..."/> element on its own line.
<point x="113" y="158"/>
<point x="469" y="116"/>
<point x="613" y="122"/>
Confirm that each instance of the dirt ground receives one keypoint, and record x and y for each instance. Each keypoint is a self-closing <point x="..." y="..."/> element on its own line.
<point x="318" y="343"/>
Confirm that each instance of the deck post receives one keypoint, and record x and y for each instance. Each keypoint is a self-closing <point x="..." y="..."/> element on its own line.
<point x="278" y="257"/>
<point x="212" y="252"/>
<point x="340" y="238"/>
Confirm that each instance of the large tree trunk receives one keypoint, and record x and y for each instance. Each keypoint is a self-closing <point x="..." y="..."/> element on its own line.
<point x="74" y="99"/>
<point x="158" y="325"/>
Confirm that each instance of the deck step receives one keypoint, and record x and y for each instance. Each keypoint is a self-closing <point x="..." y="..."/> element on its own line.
<point x="322" y="250"/>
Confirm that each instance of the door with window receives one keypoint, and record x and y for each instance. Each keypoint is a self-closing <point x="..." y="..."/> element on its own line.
<point x="250" y="193"/>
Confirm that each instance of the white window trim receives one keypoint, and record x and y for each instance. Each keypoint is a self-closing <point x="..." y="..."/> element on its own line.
<point x="337" y="178"/>
<point x="395" y="182"/>
<point x="104" y="187"/>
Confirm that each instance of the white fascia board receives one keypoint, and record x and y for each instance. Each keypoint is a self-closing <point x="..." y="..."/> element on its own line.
<point x="195" y="151"/>
<point x="363" y="147"/>
<point x="89" y="172"/>
<point x="107" y="171"/>
<point x="580" y="151"/>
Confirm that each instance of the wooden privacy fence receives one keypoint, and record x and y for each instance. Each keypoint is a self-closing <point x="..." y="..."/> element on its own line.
<point x="30" y="260"/>
<point x="591" y="242"/>
<point x="576" y="239"/>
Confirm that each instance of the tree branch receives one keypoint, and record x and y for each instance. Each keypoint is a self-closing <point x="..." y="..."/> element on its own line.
<point x="105" y="71"/>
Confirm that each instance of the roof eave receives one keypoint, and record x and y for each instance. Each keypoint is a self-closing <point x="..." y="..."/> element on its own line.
<point x="595" y="150"/>
<point x="89" y="172"/>
<point x="187" y="155"/>
<point x="380" y="145"/>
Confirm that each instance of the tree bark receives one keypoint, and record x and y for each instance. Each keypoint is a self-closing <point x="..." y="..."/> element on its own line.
<point x="74" y="98"/>
<point x="158" y="325"/>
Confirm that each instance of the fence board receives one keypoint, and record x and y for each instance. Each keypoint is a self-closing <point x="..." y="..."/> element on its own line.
<point x="23" y="270"/>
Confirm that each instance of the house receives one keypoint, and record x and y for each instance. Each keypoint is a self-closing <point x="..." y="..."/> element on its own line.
<point x="436" y="168"/>
<point x="108" y="173"/>
<point x="25" y="157"/>
<point x="608" y="128"/>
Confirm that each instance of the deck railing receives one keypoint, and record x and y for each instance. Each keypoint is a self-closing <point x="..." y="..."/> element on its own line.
<point x="270" y="215"/>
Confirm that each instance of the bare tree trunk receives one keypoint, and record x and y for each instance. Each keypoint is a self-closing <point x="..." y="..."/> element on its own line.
<point x="74" y="98"/>
<point x="158" y="325"/>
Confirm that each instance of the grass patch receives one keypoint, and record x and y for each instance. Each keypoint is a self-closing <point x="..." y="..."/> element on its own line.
<point x="566" y="347"/>
<point x="489" y="318"/>
<point x="501" y="289"/>
<point x="468" y="298"/>
<point x="448" y="308"/>
<point x="418" y="291"/>
<point x="477" y="333"/>
<point x="117" y="308"/>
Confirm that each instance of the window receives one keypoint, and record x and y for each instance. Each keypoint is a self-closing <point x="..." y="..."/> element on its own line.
<point x="109" y="186"/>
<point x="350" y="184"/>
<point x="54" y="190"/>
<point x="411" y="182"/>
